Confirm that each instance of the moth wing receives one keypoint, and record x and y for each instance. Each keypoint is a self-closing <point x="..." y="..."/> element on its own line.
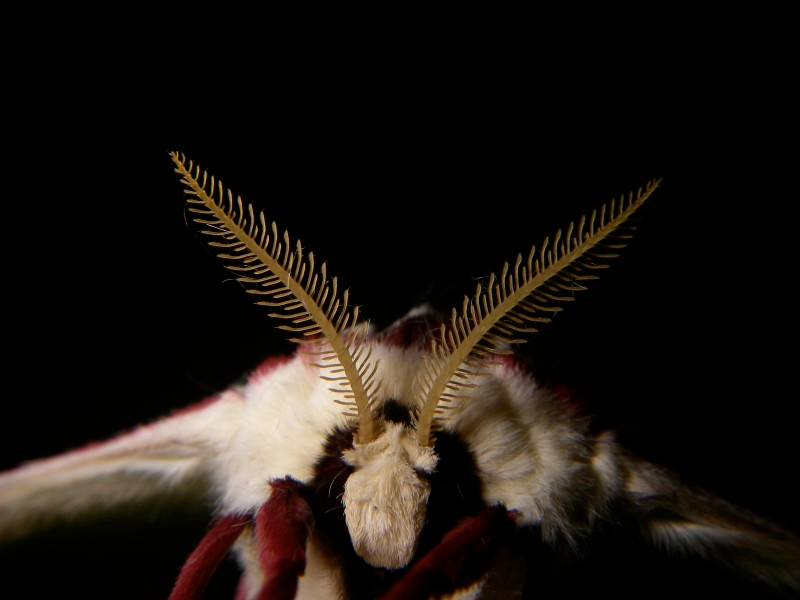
<point x="164" y="463"/>
<point x="681" y="520"/>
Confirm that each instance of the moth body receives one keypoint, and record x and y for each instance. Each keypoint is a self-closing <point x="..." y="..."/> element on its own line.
<point x="420" y="461"/>
<point x="381" y="489"/>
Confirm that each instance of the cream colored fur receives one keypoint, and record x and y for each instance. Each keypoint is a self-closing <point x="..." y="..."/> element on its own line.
<point x="533" y="457"/>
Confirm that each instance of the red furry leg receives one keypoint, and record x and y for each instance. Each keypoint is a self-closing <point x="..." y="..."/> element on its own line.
<point x="461" y="559"/>
<point x="282" y="526"/>
<point x="201" y="564"/>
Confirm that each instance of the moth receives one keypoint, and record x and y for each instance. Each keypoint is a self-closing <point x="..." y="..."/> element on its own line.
<point x="423" y="460"/>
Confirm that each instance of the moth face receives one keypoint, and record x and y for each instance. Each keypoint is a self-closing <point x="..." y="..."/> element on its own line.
<point x="385" y="498"/>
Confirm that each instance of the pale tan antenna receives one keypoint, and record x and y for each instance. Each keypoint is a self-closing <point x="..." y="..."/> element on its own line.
<point x="492" y="319"/>
<point x="267" y="266"/>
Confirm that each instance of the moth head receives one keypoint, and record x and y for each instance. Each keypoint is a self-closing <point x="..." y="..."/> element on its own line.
<point x="385" y="498"/>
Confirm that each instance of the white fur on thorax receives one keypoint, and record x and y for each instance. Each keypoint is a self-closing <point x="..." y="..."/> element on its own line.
<point x="528" y="449"/>
<point x="287" y="414"/>
<point x="282" y="428"/>
<point x="530" y="452"/>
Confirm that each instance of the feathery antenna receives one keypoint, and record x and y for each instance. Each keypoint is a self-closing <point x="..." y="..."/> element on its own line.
<point x="301" y="296"/>
<point x="525" y="294"/>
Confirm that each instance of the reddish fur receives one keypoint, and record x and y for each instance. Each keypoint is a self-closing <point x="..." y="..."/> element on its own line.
<point x="461" y="559"/>
<point x="241" y="589"/>
<point x="565" y="394"/>
<point x="207" y="401"/>
<point x="413" y="332"/>
<point x="201" y="564"/>
<point x="282" y="527"/>
<point x="268" y="365"/>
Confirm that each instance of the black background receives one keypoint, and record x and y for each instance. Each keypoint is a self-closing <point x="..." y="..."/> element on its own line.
<point x="411" y="185"/>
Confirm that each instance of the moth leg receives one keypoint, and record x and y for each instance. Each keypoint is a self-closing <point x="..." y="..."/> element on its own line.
<point x="282" y="527"/>
<point x="461" y="559"/>
<point x="204" y="560"/>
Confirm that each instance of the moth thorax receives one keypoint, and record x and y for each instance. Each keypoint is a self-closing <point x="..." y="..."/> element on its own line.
<point x="385" y="498"/>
